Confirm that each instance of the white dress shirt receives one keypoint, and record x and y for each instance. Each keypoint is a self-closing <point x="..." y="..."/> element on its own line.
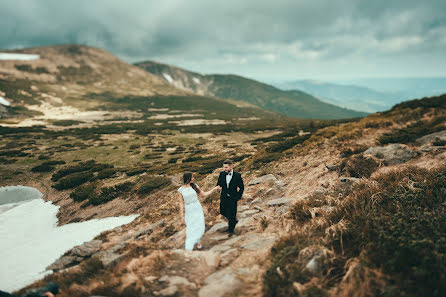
<point x="229" y="177"/>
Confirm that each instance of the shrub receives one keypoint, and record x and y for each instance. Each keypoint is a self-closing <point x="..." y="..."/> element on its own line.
<point x="109" y="193"/>
<point x="84" y="166"/>
<point x="300" y="212"/>
<point x="155" y="182"/>
<point x="73" y="180"/>
<point x="81" y="193"/>
<point x="416" y="130"/>
<point x="359" y="166"/>
<point x="42" y="168"/>
<point x="399" y="222"/>
<point x="106" y="173"/>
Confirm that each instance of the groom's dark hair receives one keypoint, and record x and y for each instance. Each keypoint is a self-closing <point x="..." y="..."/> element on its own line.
<point x="187" y="176"/>
<point x="228" y="161"/>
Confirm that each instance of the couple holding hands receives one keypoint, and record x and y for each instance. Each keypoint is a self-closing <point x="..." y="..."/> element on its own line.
<point x="229" y="184"/>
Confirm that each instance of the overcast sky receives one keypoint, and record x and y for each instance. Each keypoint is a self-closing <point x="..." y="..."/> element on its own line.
<point x="267" y="40"/>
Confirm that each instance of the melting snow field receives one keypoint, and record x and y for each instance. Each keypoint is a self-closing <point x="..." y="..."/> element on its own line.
<point x="4" y="101"/>
<point x="30" y="239"/>
<point x="22" y="57"/>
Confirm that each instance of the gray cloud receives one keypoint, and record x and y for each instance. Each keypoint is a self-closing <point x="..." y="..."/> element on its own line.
<point x="269" y="40"/>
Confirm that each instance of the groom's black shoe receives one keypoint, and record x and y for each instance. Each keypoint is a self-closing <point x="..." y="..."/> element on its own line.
<point x="231" y="233"/>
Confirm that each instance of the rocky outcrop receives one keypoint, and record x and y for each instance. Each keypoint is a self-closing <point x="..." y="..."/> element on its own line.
<point x="435" y="138"/>
<point x="392" y="154"/>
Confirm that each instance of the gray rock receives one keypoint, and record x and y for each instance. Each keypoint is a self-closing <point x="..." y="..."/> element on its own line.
<point x="259" y="243"/>
<point x="262" y="179"/>
<point x="242" y="207"/>
<point x="63" y="262"/>
<point x="220" y="284"/>
<point x="280" y="201"/>
<point x="282" y="209"/>
<point x="313" y="265"/>
<point x="392" y="154"/>
<point x="169" y="291"/>
<point x="108" y="258"/>
<point x="428" y="139"/>
<point x="148" y="229"/>
<point x="87" y="249"/>
<point x="352" y="180"/>
<point x="76" y="255"/>
<point x="248" y="213"/>
<point x="217" y="228"/>
<point x="331" y="167"/>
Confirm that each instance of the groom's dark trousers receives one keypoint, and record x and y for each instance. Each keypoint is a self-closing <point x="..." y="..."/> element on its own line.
<point x="229" y="197"/>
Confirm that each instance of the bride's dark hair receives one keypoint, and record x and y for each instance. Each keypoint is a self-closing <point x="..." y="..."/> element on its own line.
<point x="187" y="176"/>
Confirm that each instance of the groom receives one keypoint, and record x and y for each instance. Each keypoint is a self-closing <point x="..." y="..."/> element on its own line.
<point x="232" y="187"/>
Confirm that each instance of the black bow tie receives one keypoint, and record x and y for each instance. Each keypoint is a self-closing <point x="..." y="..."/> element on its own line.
<point x="228" y="173"/>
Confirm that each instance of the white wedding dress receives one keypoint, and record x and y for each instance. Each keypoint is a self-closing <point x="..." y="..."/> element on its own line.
<point x="193" y="215"/>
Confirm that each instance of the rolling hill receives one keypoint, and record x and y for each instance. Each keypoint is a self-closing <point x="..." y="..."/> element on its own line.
<point x="292" y="103"/>
<point x="87" y="85"/>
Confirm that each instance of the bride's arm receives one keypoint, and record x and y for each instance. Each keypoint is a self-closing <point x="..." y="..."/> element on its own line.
<point x="181" y="208"/>
<point x="206" y="194"/>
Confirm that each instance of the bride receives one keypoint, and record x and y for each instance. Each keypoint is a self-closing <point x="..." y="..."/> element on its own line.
<point x="191" y="211"/>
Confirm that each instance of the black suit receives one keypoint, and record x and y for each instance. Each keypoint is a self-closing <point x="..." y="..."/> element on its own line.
<point x="229" y="197"/>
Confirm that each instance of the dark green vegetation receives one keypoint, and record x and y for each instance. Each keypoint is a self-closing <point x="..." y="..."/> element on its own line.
<point x="416" y="130"/>
<point x="154" y="183"/>
<point x="396" y="224"/>
<point x="291" y="103"/>
<point x="109" y="193"/>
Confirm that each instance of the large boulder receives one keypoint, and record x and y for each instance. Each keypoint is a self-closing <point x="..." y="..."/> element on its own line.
<point x="262" y="179"/>
<point x="439" y="137"/>
<point x="392" y="154"/>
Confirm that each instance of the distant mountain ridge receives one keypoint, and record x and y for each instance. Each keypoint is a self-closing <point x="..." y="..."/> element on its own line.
<point x="370" y="95"/>
<point x="293" y="103"/>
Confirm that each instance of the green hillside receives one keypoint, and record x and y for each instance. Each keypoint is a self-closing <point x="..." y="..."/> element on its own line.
<point x="291" y="103"/>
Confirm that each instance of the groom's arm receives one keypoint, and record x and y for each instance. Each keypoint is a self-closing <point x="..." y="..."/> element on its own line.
<point x="241" y="187"/>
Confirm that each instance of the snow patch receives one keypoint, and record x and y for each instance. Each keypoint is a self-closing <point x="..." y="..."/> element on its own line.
<point x="168" y="77"/>
<point x="21" y="57"/>
<point x="4" y="101"/>
<point x="196" y="80"/>
<point x="31" y="239"/>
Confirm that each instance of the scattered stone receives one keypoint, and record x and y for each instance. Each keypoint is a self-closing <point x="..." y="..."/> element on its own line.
<point x="176" y="281"/>
<point x="282" y="209"/>
<point x="258" y="207"/>
<point x="217" y="228"/>
<point x="248" y="213"/>
<point x="392" y="154"/>
<point x="148" y="229"/>
<point x="280" y="201"/>
<point x="262" y="179"/>
<point x="345" y="179"/>
<point x="331" y="167"/>
<point x="220" y="284"/>
<point x="150" y="278"/>
<point x="242" y="207"/>
<point x="165" y="212"/>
